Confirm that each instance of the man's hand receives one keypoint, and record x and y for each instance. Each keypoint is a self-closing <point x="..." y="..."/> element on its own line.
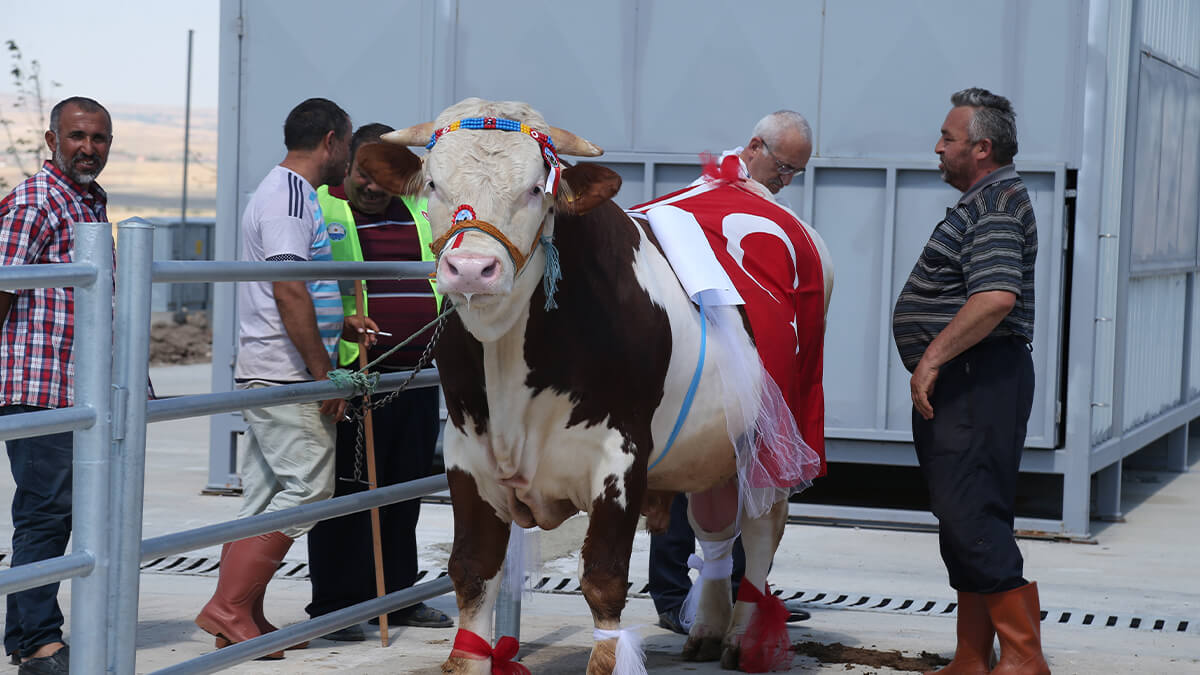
<point x="981" y="313"/>
<point x="334" y="408"/>
<point x="923" y="378"/>
<point x="300" y="322"/>
<point x="355" y="328"/>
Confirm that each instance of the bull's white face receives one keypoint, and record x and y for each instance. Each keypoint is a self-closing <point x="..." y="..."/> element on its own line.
<point x="501" y="177"/>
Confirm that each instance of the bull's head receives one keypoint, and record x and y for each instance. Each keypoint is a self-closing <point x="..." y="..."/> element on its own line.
<point x="492" y="200"/>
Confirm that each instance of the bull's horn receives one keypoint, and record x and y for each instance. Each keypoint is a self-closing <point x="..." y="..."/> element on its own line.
<point x="567" y="143"/>
<point x="415" y="135"/>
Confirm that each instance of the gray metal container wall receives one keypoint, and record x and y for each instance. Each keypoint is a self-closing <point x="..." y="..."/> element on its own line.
<point x="657" y="82"/>
<point x="173" y="240"/>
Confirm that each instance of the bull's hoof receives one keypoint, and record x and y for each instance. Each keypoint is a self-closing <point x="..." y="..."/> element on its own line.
<point x="731" y="657"/>
<point x="461" y="666"/>
<point x="701" y="648"/>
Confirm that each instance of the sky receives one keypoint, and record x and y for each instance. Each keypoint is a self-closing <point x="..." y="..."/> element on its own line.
<point x="115" y="51"/>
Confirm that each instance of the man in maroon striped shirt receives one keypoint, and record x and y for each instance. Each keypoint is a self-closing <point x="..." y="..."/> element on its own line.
<point x="37" y="370"/>
<point x="367" y="223"/>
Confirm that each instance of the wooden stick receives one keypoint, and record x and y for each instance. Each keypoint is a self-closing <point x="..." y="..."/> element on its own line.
<point x="368" y="431"/>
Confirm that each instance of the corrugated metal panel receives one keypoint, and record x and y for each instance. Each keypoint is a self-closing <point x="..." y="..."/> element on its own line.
<point x="1194" y="370"/>
<point x="1154" y="350"/>
<point x="1171" y="28"/>
<point x="1105" y="354"/>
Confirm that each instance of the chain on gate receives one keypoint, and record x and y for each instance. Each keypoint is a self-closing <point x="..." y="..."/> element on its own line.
<point x="365" y="382"/>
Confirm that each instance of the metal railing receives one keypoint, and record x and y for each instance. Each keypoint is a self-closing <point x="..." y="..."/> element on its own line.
<point x="89" y="418"/>
<point x="109" y="420"/>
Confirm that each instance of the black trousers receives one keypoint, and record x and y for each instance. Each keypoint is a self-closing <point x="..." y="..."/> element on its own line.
<point x="340" y="558"/>
<point x="970" y="453"/>
<point x="669" y="551"/>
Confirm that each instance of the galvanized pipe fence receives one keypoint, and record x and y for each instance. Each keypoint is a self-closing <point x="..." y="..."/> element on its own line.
<point x="109" y="417"/>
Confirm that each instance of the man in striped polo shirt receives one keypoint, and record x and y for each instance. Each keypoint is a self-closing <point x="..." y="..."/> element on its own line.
<point x="288" y="333"/>
<point x="963" y="325"/>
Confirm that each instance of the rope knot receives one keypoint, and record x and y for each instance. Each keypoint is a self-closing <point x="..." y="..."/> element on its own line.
<point x="362" y="383"/>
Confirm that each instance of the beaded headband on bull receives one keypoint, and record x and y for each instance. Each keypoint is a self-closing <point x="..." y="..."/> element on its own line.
<point x="463" y="219"/>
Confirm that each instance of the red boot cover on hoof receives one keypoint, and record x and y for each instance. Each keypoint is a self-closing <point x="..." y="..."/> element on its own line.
<point x="766" y="646"/>
<point x="502" y="656"/>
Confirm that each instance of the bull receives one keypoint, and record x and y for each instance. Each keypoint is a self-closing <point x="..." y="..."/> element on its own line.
<point x="565" y="368"/>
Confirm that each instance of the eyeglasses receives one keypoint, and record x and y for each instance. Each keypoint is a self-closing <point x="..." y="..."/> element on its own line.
<point x="783" y="168"/>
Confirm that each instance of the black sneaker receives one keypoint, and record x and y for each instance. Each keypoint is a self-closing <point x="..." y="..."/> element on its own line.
<point x="670" y="621"/>
<point x="352" y="633"/>
<point x="796" y="612"/>
<point x="58" y="663"/>
<point x="419" y="615"/>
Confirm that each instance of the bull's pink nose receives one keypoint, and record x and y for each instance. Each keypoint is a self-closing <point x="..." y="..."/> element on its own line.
<point x="468" y="273"/>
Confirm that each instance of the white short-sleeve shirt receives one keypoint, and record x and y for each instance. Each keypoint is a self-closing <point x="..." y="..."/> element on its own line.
<point x="283" y="221"/>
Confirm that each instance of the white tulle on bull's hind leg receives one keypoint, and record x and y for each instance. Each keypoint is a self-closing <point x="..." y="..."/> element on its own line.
<point x="713" y="516"/>
<point x="476" y="560"/>
<point x="604" y="578"/>
<point x="760" y="539"/>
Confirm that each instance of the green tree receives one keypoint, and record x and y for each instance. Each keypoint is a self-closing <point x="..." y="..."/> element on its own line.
<point x="24" y="146"/>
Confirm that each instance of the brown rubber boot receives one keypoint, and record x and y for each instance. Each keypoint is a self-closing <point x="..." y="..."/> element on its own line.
<point x="246" y="567"/>
<point x="1017" y="616"/>
<point x="260" y="619"/>
<point x="973" y="654"/>
<point x="264" y="626"/>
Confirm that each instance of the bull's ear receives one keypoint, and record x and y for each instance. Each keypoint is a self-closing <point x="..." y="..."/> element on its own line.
<point x="393" y="167"/>
<point x="588" y="185"/>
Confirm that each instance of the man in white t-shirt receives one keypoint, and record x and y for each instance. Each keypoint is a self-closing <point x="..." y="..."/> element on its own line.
<point x="288" y="333"/>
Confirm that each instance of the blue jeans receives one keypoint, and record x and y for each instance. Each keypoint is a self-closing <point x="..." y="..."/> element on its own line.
<point x="669" y="551"/>
<point x="41" y="515"/>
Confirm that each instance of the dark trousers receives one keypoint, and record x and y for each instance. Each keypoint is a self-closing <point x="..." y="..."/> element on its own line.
<point x="669" y="551"/>
<point x="41" y="516"/>
<point x="340" y="556"/>
<point x="970" y="453"/>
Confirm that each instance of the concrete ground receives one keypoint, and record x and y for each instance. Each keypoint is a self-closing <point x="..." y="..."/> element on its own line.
<point x="1126" y="602"/>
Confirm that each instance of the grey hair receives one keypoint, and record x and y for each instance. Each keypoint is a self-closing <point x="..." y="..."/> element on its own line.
<point x="772" y="127"/>
<point x="993" y="119"/>
<point x="84" y="103"/>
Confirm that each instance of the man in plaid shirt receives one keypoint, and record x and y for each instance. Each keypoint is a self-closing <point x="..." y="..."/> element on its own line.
<point x="37" y="371"/>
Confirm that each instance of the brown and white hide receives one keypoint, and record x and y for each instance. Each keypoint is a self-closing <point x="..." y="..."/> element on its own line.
<point x="553" y="412"/>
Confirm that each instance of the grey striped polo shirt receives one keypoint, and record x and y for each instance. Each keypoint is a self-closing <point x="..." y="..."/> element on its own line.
<point x="987" y="242"/>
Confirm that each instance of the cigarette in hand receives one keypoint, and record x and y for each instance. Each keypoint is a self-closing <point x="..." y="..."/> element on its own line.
<point x="379" y="332"/>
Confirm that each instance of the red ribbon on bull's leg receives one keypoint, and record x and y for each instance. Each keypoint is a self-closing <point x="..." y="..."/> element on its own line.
<point x="502" y="656"/>
<point x="765" y="646"/>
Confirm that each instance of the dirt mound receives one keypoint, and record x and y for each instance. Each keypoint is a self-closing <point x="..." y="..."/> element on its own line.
<point x="840" y="653"/>
<point x="175" y="343"/>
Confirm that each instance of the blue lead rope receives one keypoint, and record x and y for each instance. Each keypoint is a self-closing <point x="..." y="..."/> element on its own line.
<point x="691" y="392"/>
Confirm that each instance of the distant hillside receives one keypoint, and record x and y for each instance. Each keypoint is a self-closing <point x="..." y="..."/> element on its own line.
<point x="145" y="173"/>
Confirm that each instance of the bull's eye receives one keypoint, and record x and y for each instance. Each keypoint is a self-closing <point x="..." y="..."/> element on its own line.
<point x="536" y="190"/>
<point x="430" y="186"/>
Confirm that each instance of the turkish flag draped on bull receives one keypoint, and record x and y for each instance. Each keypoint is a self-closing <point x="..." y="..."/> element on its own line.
<point x="775" y="266"/>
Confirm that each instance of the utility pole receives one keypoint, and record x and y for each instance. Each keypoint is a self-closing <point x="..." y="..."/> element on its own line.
<point x="177" y="236"/>
<point x="187" y="127"/>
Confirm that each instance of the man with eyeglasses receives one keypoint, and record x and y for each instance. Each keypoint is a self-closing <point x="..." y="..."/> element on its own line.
<point x="778" y="151"/>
